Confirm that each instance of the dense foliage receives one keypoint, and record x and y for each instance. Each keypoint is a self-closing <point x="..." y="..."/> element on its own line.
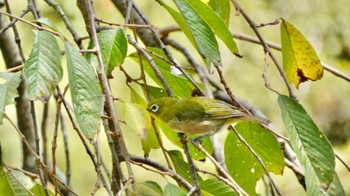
<point x="94" y="85"/>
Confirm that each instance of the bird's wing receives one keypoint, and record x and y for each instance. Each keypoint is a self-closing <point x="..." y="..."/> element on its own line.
<point x="215" y="109"/>
<point x="187" y="110"/>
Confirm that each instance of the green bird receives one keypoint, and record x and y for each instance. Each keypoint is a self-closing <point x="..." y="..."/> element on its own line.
<point x="198" y="115"/>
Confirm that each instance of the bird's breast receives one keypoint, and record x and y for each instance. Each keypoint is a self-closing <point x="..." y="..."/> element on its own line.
<point x="197" y="127"/>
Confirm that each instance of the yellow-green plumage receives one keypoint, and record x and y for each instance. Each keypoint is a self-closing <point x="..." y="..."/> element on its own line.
<point x="196" y="115"/>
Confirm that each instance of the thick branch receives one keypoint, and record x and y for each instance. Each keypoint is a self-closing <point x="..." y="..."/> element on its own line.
<point x="12" y="58"/>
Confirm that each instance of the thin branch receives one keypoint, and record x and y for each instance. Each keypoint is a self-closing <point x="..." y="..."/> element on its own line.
<point x="174" y="28"/>
<point x="81" y="137"/>
<point x="44" y="122"/>
<point x="179" y="179"/>
<point x="15" y="69"/>
<point x="37" y="146"/>
<point x="66" y="21"/>
<point x="139" y="48"/>
<point x="165" y="49"/>
<point x="54" y="140"/>
<point x="87" y="10"/>
<point x="38" y="159"/>
<point x="126" y="186"/>
<point x="159" y="139"/>
<point x="195" y="188"/>
<point x="98" y="158"/>
<point x="13" y="21"/>
<point x="264" y="75"/>
<point x="66" y="149"/>
<point x="33" y="25"/>
<point x="228" y="89"/>
<point x="33" y="176"/>
<point x="278" y="47"/>
<point x="253" y="26"/>
<point x="99" y="20"/>
<point x="347" y="166"/>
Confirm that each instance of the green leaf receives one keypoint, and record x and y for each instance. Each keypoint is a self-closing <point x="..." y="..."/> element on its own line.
<point x="38" y="190"/>
<point x="43" y="70"/>
<point x="173" y="190"/>
<point x="10" y="183"/>
<point x="181" y="167"/>
<point x="203" y="36"/>
<point x="222" y="8"/>
<point x="155" y="92"/>
<point x="8" y="90"/>
<point x="135" y="97"/>
<point x="114" y="46"/>
<point x="312" y="148"/>
<point x="179" y="85"/>
<point x="47" y="22"/>
<point x="215" y="187"/>
<point x="196" y="30"/>
<point x="216" y="23"/>
<point x="300" y="61"/>
<point x="137" y="118"/>
<point x="5" y="185"/>
<point x="336" y="187"/>
<point x="151" y="141"/>
<point x="241" y="163"/>
<point x="197" y="154"/>
<point x="179" y="19"/>
<point x="85" y="91"/>
<point x="0" y="157"/>
<point x="149" y="188"/>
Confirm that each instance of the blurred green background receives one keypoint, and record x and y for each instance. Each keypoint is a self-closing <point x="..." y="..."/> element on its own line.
<point x="326" y="24"/>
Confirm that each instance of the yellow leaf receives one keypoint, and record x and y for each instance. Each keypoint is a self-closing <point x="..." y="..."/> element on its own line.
<point x="300" y="61"/>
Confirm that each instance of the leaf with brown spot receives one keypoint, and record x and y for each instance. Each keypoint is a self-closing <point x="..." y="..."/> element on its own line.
<point x="300" y="61"/>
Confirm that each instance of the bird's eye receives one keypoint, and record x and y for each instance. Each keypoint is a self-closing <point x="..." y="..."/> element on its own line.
<point x="154" y="108"/>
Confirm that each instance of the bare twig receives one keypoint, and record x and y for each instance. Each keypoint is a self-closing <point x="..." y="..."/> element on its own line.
<point x="25" y="172"/>
<point x="199" y="69"/>
<point x="81" y="137"/>
<point x="54" y="139"/>
<point x="156" y="130"/>
<point x="347" y="166"/>
<point x="13" y="21"/>
<point x="278" y="47"/>
<point x="33" y="25"/>
<point x="264" y="75"/>
<point x="228" y="89"/>
<point x="86" y="9"/>
<point x="165" y="49"/>
<point x="195" y="188"/>
<point x="265" y="46"/>
<point x="181" y="181"/>
<point x="126" y="186"/>
<point x="66" y="149"/>
<point x="66" y="21"/>
<point x="38" y="159"/>
<point x="139" y="48"/>
<point x="122" y="25"/>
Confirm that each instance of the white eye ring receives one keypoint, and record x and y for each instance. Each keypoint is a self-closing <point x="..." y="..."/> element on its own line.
<point x="154" y="108"/>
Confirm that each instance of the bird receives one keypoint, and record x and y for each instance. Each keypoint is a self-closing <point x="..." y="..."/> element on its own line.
<point x="199" y="115"/>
